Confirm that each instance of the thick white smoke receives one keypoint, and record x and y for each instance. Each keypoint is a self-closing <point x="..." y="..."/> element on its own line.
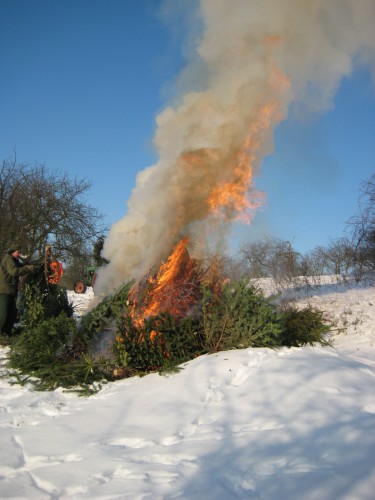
<point x="255" y="58"/>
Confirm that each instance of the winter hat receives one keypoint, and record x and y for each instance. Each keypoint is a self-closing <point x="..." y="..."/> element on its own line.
<point x="13" y="247"/>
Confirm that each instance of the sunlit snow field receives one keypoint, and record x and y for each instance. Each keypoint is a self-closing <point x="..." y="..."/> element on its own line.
<point x="255" y="423"/>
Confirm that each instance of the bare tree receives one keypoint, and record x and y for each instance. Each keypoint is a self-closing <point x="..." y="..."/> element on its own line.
<point x="256" y="258"/>
<point x="313" y="263"/>
<point x="39" y="207"/>
<point x="270" y="258"/>
<point x="339" y="256"/>
<point x="362" y="228"/>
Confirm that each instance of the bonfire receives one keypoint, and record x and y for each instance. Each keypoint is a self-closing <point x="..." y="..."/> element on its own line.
<point x="176" y="287"/>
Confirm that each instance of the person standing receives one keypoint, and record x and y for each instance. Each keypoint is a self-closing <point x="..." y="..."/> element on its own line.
<point x="10" y="270"/>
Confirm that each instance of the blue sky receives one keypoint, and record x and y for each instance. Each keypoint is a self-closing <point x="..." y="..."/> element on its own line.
<point x="83" y="80"/>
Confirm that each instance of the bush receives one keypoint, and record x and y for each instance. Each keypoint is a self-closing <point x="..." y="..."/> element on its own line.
<point x="45" y="343"/>
<point x="163" y="342"/>
<point x="53" y="353"/>
<point x="49" y="345"/>
<point x="239" y="317"/>
<point x="301" y="327"/>
<point x="40" y="300"/>
<point x="111" y="310"/>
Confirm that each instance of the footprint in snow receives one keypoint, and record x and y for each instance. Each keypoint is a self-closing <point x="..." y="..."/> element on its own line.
<point x="241" y="376"/>
<point x="132" y="442"/>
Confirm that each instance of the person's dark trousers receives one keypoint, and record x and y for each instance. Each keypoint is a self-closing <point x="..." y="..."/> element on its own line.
<point x="8" y="313"/>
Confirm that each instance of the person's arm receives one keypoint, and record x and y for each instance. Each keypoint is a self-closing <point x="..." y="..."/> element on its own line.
<point x="17" y="270"/>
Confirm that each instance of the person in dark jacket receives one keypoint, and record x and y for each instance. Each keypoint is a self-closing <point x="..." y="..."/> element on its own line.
<point x="10" y="270"/>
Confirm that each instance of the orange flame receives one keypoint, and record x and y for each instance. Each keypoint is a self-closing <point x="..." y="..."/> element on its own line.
<point x="237" y="198"/>
<point x="173" y="289"/>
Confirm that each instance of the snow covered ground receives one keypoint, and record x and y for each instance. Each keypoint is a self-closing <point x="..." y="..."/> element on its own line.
<point x="250" y="424"/>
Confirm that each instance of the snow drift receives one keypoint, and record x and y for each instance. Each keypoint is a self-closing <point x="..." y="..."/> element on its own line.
<point x="253" y="423"/>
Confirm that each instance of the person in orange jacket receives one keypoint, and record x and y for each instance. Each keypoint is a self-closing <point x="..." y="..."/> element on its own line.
<point x="57" y="272"/>
<point x="54" y="268"/>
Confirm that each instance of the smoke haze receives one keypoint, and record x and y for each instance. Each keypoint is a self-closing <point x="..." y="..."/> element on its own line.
<point x="252" y="60"/>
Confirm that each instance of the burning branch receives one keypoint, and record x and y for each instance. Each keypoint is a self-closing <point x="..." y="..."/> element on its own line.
<point x="175" y="288"/>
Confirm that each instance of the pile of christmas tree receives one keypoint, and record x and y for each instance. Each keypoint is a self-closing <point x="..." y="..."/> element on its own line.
<point x="204" y="314"/>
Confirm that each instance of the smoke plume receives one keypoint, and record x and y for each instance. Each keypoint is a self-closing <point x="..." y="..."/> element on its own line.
<point x="254" y="58"/>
